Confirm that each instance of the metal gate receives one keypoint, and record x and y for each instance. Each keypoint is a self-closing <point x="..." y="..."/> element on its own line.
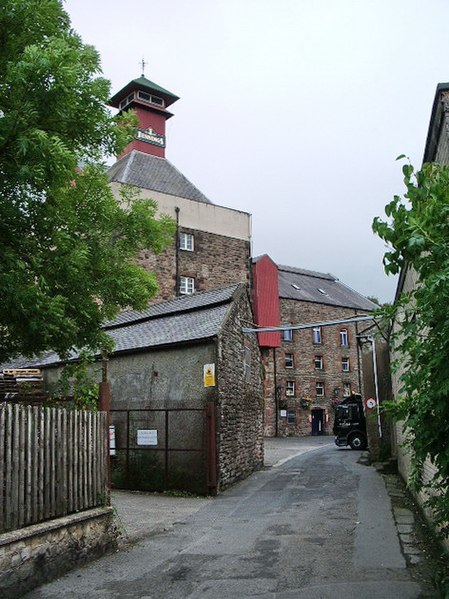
<point x="164" y="449"/>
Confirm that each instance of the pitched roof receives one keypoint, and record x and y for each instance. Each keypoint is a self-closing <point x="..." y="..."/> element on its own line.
<point x="186" y="319"/>
<point x="322" y="288"/>
<point x="154" y="173"/>
<point x="143" y="83"/>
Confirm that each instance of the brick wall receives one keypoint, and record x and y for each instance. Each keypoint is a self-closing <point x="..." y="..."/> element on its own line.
<point x="216" y="261"/>
<point x="305" y="375"/>
<point x="240" y="398"/>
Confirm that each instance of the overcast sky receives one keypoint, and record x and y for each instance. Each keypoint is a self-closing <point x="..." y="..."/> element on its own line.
<point x="293" y="110"/>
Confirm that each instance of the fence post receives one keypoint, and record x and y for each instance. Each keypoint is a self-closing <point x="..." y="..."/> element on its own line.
<point x="104" y="405"/>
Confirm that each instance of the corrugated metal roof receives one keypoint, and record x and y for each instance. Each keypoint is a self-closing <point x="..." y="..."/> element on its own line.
<point x="154" y="173"/>
<point x="322" y="288"/>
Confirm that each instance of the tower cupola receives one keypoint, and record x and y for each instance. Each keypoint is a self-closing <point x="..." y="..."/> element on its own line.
<point x="150" y="102"/>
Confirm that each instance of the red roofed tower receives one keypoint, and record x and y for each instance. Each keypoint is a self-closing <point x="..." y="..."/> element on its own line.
<point x="150" y="102"/>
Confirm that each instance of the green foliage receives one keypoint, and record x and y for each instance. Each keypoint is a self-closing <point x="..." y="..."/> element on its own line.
<point x="417" y="234"/>
<point x="66" y="245"/>
<point x="77" y="383"/>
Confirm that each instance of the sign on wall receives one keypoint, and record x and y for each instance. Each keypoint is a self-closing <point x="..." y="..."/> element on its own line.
<point x="209" y="375"/>
<point x="112" y="440"/>
<point x="150" y="136"/>
<point x="147" y="436"/>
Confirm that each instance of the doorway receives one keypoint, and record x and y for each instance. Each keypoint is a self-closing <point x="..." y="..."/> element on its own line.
<point x="317" y="422"/>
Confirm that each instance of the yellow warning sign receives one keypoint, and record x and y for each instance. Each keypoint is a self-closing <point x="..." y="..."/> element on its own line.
<point x="209" y="375"/>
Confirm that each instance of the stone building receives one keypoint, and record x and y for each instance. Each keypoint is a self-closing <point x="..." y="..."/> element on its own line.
<point x="186" y="393"/>
<point x="212" y="244"/>
<point x="306" y="371"/>
<point x="436" y="150"/>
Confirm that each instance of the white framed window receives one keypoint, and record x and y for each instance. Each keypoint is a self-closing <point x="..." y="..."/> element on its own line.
<point x="319" y="363"/>
<point x="287" y="335"/>
<point x="319" y="387"/>
<point x="289" y="361"/>
<point x="150" y="98"/>
<point x="290" y="388"/>
<point x="316" y="335"/>
<point x="126" y="101"/>
<point x="347" y="389"/>
<point x="345" y="364"/>
<point x="187" y="286"/>
<point x="344" y="337"/>
<point x="186" y="242"/>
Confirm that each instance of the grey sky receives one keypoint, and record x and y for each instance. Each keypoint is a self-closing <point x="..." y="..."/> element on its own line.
<point x="293" y="110"/>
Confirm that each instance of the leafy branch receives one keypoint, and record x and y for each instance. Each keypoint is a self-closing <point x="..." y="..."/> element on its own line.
<point x="417" y="234"/>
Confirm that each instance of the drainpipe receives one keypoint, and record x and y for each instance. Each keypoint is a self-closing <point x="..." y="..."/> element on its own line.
<point x="177" y="210"/>
<point x="276" y="395"/>
<point x="359" y="350"/>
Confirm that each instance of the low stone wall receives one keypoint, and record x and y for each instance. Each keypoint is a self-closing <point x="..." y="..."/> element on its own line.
<point x="36" y="554"/>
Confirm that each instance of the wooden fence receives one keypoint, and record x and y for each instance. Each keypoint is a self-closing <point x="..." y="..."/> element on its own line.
<point x="53" y="462"/>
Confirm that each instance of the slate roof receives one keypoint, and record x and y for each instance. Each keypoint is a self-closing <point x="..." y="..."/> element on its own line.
<point x="322" y="288"/>
<point x="154" y="173"/>
<point x="189" y="318"/>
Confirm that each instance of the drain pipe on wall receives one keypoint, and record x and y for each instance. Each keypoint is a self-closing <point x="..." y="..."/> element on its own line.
<point x="177" y="282"/>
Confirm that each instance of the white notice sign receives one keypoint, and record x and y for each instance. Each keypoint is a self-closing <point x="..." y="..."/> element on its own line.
<point x="147" y="437"/>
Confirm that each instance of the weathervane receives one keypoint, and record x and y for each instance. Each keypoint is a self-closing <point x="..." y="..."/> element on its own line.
<point x="143" y="63"/>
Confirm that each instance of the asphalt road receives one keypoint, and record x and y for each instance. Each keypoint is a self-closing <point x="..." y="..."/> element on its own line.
<point x="318" y="526"/>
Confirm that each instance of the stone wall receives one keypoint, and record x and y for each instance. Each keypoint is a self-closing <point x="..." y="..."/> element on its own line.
<point x="240" y="398"/>
<point x="37" y="554"/>
<point x="216" y="261"/>
<point x="295" y="414"/>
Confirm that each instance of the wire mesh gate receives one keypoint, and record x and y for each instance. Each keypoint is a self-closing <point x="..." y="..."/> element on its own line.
<point x="164" y="449"/>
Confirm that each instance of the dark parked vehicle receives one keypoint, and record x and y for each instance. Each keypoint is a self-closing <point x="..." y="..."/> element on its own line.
<point x="350" y="423"/>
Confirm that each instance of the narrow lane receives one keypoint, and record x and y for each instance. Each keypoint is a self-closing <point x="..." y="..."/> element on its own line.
<point x="318" y="526"/>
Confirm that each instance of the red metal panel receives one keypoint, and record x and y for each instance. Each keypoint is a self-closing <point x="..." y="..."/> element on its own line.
<point x="266" y="300"/>
<point x="148" y="119"/>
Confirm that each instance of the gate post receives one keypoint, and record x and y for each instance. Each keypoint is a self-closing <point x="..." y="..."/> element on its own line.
<point x="211" y="449"/>
<point x="104" y="405"/>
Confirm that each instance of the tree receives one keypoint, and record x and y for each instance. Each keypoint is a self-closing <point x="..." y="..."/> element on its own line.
<point x="417" y="233"/>
<point x="66" y="245"/>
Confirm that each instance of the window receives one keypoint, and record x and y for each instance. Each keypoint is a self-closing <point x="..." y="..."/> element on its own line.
<point x="187" y="286"/>
<point x="289" y="361"/>
<point x="344" y="337"/>
<point x="316" y="334"/>
<point x="150" y="98"/>
<point x="319" y="389"/>
<point x="291" y="416"/>
<point x="186" y="241"/>
<point x="346" y="389"/>
<point x="345" y="364"/>
<point x="287" y="335"/>
<point x="318" y="361"/>
<point x="290" y="388"/>
<point x="126" y="101"/>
